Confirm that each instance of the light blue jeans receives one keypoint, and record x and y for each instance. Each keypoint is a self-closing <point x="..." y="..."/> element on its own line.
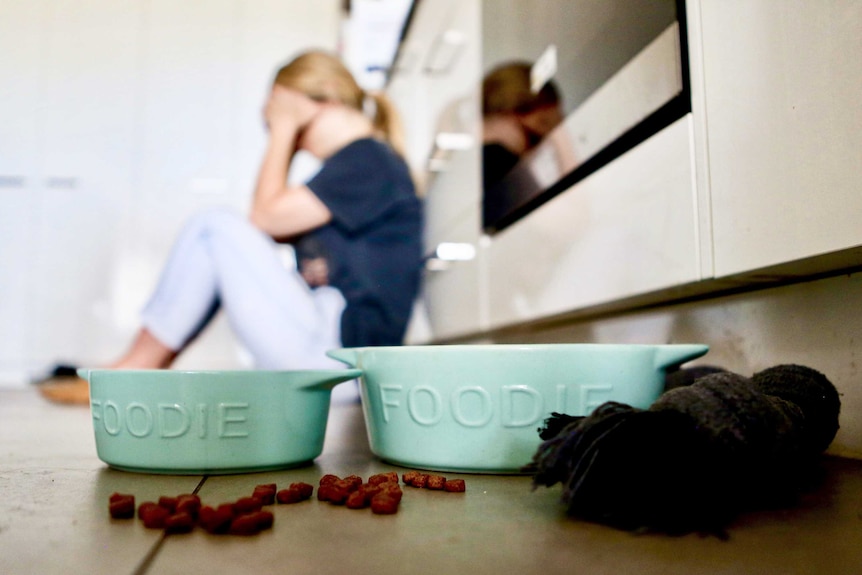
<point x="221" y="261"/>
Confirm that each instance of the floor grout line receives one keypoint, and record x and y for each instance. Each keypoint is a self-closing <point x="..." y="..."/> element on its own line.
<point x="148" y="559"/>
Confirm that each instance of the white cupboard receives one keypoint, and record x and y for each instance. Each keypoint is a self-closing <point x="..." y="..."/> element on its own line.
<point x="782" y="85"/>
<point x="119" y="120"/>
<point x="435" y="87"/>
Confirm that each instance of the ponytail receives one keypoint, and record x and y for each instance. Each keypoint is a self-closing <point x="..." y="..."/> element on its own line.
<point x="386" y="119"/>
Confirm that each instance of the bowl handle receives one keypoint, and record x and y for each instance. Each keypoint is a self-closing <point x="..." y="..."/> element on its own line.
<point x="84" y="373"/>
<point x="347" y="355"/>
<point x="670" y="355"/>
<point x="329" y="379"/>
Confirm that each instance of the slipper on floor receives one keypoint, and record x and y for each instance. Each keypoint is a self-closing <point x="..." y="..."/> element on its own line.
<point x="66" y="390"/>
<point x="59" y="371"/>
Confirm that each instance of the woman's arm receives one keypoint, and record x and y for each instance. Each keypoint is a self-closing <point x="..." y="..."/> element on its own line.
<point x="277" y="209"/>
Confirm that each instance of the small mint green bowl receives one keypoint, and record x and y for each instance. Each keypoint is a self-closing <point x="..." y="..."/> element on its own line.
<point x="210" y="422"/>
<point x="477" y="408"/>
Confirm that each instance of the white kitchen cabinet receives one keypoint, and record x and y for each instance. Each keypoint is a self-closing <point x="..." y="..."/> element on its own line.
<point x="19" y="42"/>
<point x="435" y="85"/>
<point x="781" y="89"/>
<point x="119" y="120"/>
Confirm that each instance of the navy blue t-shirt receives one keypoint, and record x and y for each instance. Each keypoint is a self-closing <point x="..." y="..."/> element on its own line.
<point x="373" y="244"/>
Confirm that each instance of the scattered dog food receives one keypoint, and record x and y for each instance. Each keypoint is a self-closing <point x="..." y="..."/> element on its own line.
<point x="121" y="506"/>
<point x="246" y="516"/>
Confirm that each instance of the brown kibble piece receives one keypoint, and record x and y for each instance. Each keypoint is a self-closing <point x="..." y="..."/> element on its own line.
<point x="435" y="482"/>
<point x="384" y="504"/>
<point x="264" y="519"/>
<point x="144" y="507"/>
<point x="392" y="490"/>
<point x="347" y="486"/>
<point x="216" y="520"/>
<point x="289" y="495"/>
<point x="388" y="477"/>
<point x="305" y="489"/>
<point x="266" y="494"/>
<point x="455" y="486"/>
<point x="329" y="478"/>
<point x="357" y="500"/>
<point x="352" y="482"/>
<point x="247" y="524"/>
<point x="420" y="480"/>
<point x="188" y="503"/>
<point x="332" y="493"/>
<point x="121" y="506"/>
<point x="181" y="522"/>
<point x="247" y="505"/>
<point x="153" y="516"/>
<point x="169" y="503"/>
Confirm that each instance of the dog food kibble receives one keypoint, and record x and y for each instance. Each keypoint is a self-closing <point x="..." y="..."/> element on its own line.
<point x="289" y="495"/>
<point x="415" y="479"/>
<point x="264" y="519"/>
<point x="266" y="493"/>
<point x="251" y="523"/>
<point x="188" y="503"/>
<point x="153" y="516"/>
<point x="435" y="482"/>
<point x="389" y="477"/>
<point x="216" y="520"/>
<point x="357" y="499"/>
<point x="247" y="505"/>
<point x="180" y="522"/>
<point x="121" y="506"/>
<point x="304" y="489"/>
<point x="333" y="493"/>
<point x="169" y="503"/>
<point x="145" y="507"/>
<point x="245" y="516"/>
<point x="384" y="504"/>
<point x="392" y="490"/>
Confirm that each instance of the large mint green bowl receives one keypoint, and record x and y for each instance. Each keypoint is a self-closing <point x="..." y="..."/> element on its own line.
<point x="210" y="422"/>
<point x="477" y="408"/>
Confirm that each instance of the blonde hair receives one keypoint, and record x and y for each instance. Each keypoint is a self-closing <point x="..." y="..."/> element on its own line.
<point x="323" y="77"/>
<point x="506" y="89"/>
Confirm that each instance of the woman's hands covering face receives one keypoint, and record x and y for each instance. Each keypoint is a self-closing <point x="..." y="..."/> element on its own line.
<point x="288" y="109"/>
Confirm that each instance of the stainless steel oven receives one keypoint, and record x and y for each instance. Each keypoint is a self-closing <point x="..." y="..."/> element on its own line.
<point x="605" y="75"/>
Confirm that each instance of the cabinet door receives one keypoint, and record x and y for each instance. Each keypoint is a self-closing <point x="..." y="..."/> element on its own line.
<point x="86" y="98"/>
<point x="436" y="87"/>
<point x="20" y="36"/>
<point x="782" y="88"/>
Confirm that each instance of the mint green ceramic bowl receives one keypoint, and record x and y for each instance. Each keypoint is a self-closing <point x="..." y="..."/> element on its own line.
<point x="210" y="422"/>
<point x="477" y="408"/>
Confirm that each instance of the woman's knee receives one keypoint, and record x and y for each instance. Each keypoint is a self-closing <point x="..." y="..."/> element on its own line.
<point x="216" y="218"/>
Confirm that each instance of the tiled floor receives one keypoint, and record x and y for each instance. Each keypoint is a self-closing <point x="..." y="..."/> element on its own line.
<point x="53" y="519"/>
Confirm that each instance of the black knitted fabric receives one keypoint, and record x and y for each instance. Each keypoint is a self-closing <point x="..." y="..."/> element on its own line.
<point x="697" y="457"/>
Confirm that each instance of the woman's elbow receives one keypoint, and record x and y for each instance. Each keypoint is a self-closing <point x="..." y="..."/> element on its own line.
<point x="260" y="219"/>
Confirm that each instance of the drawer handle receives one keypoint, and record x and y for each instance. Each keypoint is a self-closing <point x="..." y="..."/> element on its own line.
<point x="448" y="252"/>
<point x="444" y="52"/>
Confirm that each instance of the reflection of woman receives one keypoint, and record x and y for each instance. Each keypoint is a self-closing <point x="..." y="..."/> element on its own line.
<point x="514" y="117"/>
<point x="356" y="227"/>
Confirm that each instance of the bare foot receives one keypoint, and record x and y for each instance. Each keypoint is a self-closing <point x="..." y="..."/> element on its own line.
<point x="66" y="390"/>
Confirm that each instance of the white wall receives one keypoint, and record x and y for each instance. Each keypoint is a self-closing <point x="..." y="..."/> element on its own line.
<point x="119" y="120"/>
